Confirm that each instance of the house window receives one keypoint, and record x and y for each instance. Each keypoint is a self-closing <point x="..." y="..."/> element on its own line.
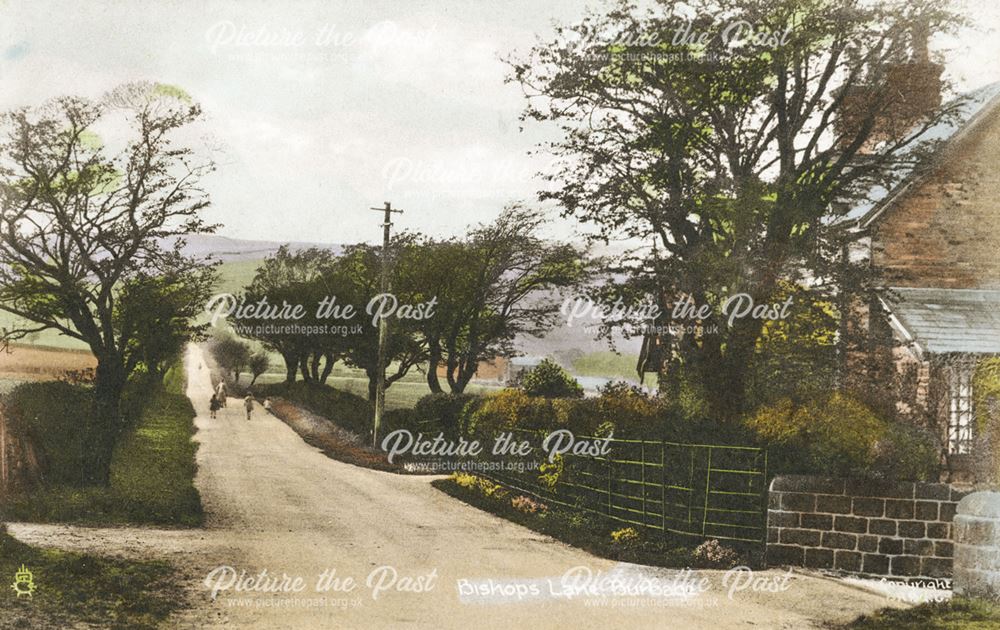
<point x="960" y="411"/>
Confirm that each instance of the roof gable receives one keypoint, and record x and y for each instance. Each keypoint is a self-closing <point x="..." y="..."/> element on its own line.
<point x="978" y="103"/>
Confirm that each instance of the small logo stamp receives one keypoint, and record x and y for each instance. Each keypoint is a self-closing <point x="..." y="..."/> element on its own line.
<point x="24" y="582"/>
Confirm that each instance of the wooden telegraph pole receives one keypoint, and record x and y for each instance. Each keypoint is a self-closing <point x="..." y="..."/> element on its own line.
<point x="383" y="324"/>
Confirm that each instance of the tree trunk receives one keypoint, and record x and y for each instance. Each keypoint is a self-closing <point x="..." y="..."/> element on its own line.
<point x="291" y="366"/>
<point x="314" y="366"/>
<point x="327" y="367"/>
<point x="304" y="367"/>
<point x="104" y="423"/>
<point x="434" y="360"/>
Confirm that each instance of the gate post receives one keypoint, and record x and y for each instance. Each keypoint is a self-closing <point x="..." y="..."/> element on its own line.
<point x="976" y="531"/>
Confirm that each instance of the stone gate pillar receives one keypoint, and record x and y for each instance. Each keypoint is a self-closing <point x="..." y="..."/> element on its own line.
<point x="977" y="546"/>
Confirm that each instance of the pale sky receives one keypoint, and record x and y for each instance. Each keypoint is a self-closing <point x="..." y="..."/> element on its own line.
<point x="324" y="109"/>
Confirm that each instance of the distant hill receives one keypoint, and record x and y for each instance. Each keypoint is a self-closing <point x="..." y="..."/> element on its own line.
<point x="229" y="249"/>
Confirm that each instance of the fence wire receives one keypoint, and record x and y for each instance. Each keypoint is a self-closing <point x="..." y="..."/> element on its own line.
<point x="698" y="490"/>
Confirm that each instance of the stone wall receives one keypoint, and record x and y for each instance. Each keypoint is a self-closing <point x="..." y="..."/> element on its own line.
<point x="977" y="546"/>
<point x="864" y="527"/>
<point x="944" y="231"/>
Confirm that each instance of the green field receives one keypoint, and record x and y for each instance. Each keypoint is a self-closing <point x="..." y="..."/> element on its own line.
<point x="606" y="364"/>
<point x="235" y="275"/>
<point x="50" y="338"/>
<point x="403" y="394"/>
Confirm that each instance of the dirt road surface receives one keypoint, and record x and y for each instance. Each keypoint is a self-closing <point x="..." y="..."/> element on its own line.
<point x="414" y="554"/>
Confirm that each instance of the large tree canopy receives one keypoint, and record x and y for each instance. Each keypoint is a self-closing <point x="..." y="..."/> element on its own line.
<point x="726" y="160"/>
<point x="95" y="199"/>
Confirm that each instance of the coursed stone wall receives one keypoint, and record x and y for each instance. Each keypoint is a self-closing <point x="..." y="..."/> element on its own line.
<point x="873" y="528"/>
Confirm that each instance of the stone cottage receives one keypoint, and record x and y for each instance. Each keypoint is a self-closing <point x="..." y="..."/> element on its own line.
<point x="933" y="242"/>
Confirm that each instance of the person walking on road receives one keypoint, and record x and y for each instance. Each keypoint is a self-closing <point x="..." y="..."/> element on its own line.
<point x="213" y="405"/>
<point x="220" y="392"/>
<point x="248" y="403"/>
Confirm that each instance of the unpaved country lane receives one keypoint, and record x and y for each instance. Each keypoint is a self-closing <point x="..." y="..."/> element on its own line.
<point x="290" y="509"/>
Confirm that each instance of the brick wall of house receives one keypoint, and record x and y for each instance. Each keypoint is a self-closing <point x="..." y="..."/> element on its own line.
<point x="945" y="231"/>
<point x="898" y="529"/>
<point x="493" y="370"/>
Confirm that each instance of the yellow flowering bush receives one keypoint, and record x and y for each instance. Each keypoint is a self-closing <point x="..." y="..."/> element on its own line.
<point x="625" y="536"/>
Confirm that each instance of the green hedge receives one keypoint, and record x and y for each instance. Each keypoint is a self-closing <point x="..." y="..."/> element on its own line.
<point x="839" y="436"/>
<point x="831" y="435"/>
<point x="53" y="415"/>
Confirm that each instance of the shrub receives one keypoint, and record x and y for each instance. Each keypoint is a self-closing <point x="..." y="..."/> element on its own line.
<point x="465" y="480"/>
<point x="625" y="536"/>
<point x="528" y="505"/>
<point x="632" y="412"/>
<point x="548" y="380"/>
<point x="510" y="409"/>
<point x="712" y="554"/>
<point x="837" y="435"/>
<point x="482" y="485"/>
<point x="549" y="473"/>
<point x="906" y="452"/>
<point x="443" y="412"/>
<point x="394" y="419"/>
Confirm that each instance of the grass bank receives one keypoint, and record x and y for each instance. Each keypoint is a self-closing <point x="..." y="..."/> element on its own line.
<point x="594" y="533"/>
<point x="334" y="441"/>
<point x="72" y="589"/>
<point x="152" y="468"/>
<point x="957" y="614"/>
<point x="345" y="409"/>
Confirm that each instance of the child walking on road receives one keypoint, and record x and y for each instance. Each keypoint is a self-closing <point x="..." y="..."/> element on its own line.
<point x="213" y="406"/>
<point x="248" y="403"/>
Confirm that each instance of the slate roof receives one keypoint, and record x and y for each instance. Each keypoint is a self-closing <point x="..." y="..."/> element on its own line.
<point x="976" y="102"/>
<point x="944" y="321"/>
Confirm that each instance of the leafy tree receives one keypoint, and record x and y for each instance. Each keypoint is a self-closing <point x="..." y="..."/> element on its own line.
<point x="232" y="355"/>
<point x="727" y="163"/>
<point x="549" y="380"/>
<point x="296" y="277"/>
<point x="157" y="314"/>
<point x="357" y="276"/>
<point x="258" y="364"/>
<point x="498" y="283"/>
<point x="83" y="224"/>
